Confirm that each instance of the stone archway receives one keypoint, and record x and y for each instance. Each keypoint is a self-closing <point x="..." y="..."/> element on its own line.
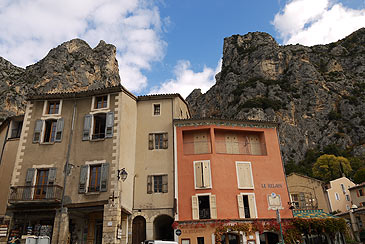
<point x="138" y="230"/>
<point x="162" y="226"/>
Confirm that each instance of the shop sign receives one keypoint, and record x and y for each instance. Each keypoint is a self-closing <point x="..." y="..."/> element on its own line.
<point x="3" y="230"/>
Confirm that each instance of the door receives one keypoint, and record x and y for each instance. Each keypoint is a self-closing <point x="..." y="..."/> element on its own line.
<point x="98" y="232"/>
<point x="41" y="184"/>
<point x="138" y="230"/>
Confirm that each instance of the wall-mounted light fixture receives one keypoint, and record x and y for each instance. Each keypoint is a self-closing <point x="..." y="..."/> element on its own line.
<point x="122" y="174"/>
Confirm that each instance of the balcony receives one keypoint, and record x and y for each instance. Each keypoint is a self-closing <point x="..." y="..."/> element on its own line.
<point x="246" y="148"/>
<point x="33" y="194"/>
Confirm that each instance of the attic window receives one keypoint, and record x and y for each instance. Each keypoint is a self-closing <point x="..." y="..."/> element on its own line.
<point x="101" y="102"/>
<point x="53" y="107"/>
<point x="156" y="109"/>
<point x="16" y="129"/>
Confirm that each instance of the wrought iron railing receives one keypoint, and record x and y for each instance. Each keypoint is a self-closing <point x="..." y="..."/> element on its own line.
<point x="35" y="193"/>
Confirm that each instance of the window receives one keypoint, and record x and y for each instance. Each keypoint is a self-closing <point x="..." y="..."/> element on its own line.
<point x="246" y="205"/>
<point x="347" y="207"/>
<point x="38" y="184"/>
<point x="94" y="177"/>
<point x="337" y="196"/>
<point x="361" y="193"/>
<point x="204" y="207"/>
<point x="202" y="174"/>
<point x="244" y="175"/>
<point x="98" y="126"/>
<point x="16" y="129"/>
<point x="295" y="200"/>
<point x="157" y="141"/>
<point x="53" y="107"/>
<point x="157" y="184"/>
<point x="200" y="240"/>
<point x="185" y="241"/>
<point x="343" y="188"/>
<point x="52" y="130"/>
<point x="156" y="109"/>
<point x="101" y="102"/>
<point x="196" y="142"/>
<point x="347" y="197"/>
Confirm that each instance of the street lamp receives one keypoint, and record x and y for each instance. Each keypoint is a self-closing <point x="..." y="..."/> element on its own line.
<point x="122" y="174"/>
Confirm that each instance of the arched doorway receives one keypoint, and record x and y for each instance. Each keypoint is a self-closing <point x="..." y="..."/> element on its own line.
<point x="163" y="230"/>
<point x="230" y="238"/>
<point x="138" y="230"/>
<point x="269" y="238"/>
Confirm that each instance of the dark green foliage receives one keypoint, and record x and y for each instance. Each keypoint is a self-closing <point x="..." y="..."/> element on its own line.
<point x="333" y="115"/>
<point x="262" y="102"/>
<point x="352" y="100"/>
<point x="359" y="176"/>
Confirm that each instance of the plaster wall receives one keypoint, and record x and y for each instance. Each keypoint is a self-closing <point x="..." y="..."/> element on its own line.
<point x="341" y="204"/>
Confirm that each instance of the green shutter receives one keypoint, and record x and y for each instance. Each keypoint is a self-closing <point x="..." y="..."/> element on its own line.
<point x="104" y="177"/>
<point x="165" y="140"/>
<point x="150" y="141"/>
<point x="50" y="183"/>
<point x="87" y="127"/>
<point x="37" y="131"/>
<point x="27" y="193"/>
<point x="109" y="124"/>
<point x="59" y="129"/>
<point x="84" y="170"/>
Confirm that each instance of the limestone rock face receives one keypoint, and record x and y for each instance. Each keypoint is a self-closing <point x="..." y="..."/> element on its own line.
<point x="72" y="66"/>
<point x="316" y="94"/>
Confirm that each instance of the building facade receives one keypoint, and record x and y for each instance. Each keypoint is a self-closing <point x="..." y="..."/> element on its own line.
<point x="231" y="172"/>
<point x="339" y="194"/>
<point x="307" y="193"/>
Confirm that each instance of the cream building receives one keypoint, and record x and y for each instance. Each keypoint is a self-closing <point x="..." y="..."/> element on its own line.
<point x="339" y="194"/>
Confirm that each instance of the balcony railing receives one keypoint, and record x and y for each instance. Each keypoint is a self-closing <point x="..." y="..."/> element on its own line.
<point x="247" y="148"/>
<point x="40" y="193"/>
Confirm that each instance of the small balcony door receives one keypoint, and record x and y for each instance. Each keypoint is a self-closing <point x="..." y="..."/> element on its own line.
<point x="41" y="184"/>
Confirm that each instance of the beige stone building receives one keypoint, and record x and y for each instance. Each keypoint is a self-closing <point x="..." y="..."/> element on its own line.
<point x="307" y="193"/>
<point x="339" y="194"/>
<point x="96" y="161"/>
<point x="154" y="189"/>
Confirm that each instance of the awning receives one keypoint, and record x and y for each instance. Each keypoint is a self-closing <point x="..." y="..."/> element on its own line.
<point x="314" y="213"/>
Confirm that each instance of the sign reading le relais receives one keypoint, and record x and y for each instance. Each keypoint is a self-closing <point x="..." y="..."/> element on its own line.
<point x="271" y="186"/>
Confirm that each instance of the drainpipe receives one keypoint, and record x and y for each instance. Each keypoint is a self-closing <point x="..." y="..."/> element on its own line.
<point x="65" y="171"/>
<point x="5" y="140"/>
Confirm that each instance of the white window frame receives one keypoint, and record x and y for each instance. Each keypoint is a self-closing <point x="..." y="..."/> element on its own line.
<point x="93" y="113"/>
<point x="153" y="109"/>
<point x="41" y="141"/>
<point x="97" y="110"/>
<point x="45" y="115"/>
<point x="91" y="163"/>
<point x="238" y="179"/>
<point x="254" y="198"/>
<point x="210" y="207"/>
<point x="337" y="196"/>
<point x="347" y="197"/>
<point x="210" y="174"/>
<point x="343" y="188"/>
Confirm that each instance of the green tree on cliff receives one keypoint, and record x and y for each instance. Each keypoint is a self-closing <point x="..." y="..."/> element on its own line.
<point x="329" y="167"/>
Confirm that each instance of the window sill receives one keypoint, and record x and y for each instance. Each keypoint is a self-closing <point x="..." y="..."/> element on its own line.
<point x="47" y="143"/>
<point x="13" y="138"/>
<point x="99" y="139"/>
<point x="203" y="188"/>
<point x="99" y="110"/>
<point x="92" y="193"/>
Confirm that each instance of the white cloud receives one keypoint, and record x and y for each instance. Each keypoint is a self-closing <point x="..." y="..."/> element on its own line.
<point x="29" y="29"/>
<point x="187" y="80"/>
<point x="311" y="22"/>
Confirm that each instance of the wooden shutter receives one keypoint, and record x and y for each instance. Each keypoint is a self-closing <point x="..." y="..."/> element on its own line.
<point x="109" y="125"/>
<point x="255" y="145"/>
<point x="164" y="183"/>
<point x="244" y="175"/>
<point x="50" y="183"/>
<point x="149" y="184"/>
<point x="241" y="209"/>
<point x="59" y="129"/>
<point x="27" y="193"/>
<point x="213" y="207"/>
<point x="37" y="130"/>
<point x="198" y="174"/>
<point x="84" y="170"/>
<point x="87" y="127"/>
<point x="195" y="207"/>
<point x="104" y="177"/>
<point x="165" y="140"/>
<point x="150" y="141"/>
<point x="252" y="205"/>
<point x="206" y="173"/>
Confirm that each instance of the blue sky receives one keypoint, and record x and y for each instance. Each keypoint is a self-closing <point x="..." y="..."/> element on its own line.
<point x="167" y="46"/>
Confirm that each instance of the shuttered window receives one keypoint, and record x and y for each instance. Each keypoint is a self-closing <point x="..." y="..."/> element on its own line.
<point x="53" y="130"/>
<point x="204" y="207"/>
<point x="94" y="178"/>
<point x="157" y="184"/>
<point x="157" y="141"/>
<point x="202" y="174"/>
<point x="98" y="126"/>
<point x="246" y="206"/>
<point x="244" y="175"/>
<point x="37" y="130"/>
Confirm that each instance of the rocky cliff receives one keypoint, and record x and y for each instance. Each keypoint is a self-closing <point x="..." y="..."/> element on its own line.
<point x="316" y="94"/>
<point x="72" y="66"/>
